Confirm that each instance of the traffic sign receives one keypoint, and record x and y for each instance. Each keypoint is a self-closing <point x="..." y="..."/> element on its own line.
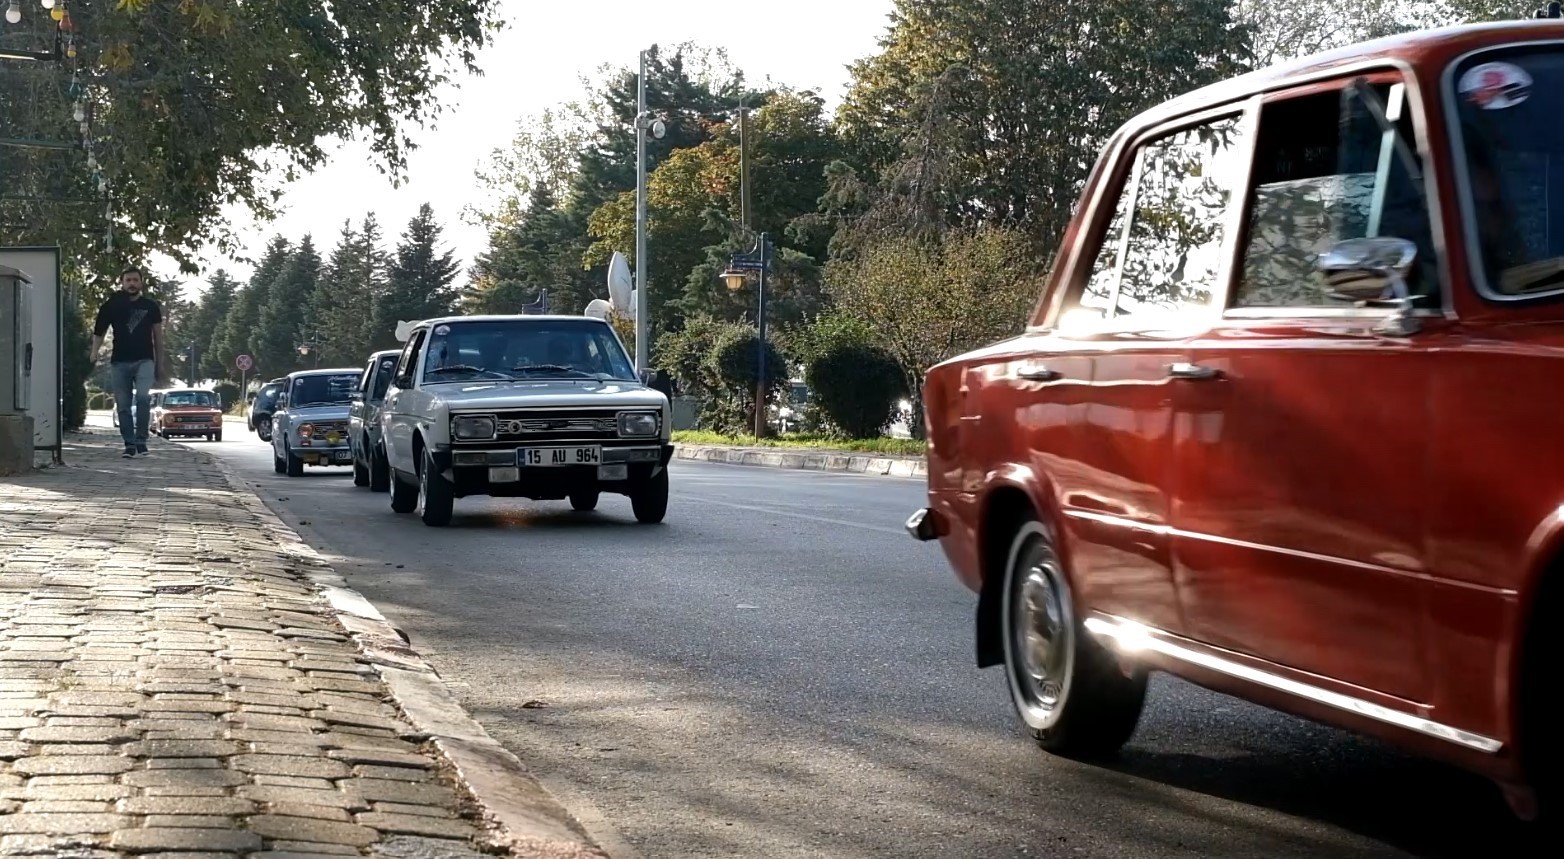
<point x="243" y="362"/>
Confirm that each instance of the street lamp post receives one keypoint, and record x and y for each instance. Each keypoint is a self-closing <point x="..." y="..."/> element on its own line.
<point x="311" y="348"/>
<point x="757" y="260"/>
<point x="645" y="123"/>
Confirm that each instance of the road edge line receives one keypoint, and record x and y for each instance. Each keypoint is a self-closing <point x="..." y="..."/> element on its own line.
<point x="530" y="820"/>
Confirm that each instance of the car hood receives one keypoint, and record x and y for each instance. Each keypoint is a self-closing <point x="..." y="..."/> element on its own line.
<point x="544" y="393"/>
<point x="337" y="411"/>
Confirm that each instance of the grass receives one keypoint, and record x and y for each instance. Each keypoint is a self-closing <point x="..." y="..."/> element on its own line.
<point x="889" y="446"/>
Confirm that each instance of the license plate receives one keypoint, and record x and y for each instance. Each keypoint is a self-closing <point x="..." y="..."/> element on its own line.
<point x="545" y="457"/>
<point x="343" y="455"/>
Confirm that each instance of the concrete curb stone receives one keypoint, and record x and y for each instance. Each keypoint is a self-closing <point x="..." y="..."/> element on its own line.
<point x="840" y="462"/>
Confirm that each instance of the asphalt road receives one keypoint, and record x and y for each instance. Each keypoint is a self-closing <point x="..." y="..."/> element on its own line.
<point x="779" y="672"/>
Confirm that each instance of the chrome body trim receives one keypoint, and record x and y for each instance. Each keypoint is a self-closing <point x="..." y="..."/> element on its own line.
<point x="1129" y="637"/>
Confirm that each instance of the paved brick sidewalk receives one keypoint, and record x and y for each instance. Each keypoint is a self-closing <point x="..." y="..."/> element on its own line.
<point x="172" y="682"/>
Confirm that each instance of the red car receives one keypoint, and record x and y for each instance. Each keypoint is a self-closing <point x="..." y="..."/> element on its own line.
<point x="1280" y="424"/>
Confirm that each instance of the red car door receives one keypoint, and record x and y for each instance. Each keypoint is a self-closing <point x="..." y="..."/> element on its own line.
<point x="1152" y="287"/>
<point x="1301" y="455"/>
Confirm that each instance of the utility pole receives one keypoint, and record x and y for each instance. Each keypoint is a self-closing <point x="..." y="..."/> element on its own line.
<point x="641" y="322"/>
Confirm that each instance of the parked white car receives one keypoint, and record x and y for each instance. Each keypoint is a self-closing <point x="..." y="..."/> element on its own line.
<point x="310" y="425"/>
<point x="540" y="407"/>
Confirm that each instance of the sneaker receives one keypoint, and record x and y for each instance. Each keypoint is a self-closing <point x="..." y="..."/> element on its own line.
<point x="129" y="453"/>
<point x="141" y="450"/>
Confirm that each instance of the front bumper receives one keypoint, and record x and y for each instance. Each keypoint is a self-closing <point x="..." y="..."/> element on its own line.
<point x="202" y="427"/>
<point x="492" y="470"/>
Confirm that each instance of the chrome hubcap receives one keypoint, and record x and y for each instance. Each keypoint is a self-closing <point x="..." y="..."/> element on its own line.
<point x="1042" y="632"/>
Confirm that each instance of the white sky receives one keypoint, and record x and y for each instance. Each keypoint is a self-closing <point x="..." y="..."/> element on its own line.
<point x="537" y="62"/>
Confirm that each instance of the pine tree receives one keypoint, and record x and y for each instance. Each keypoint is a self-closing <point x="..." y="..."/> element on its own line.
<point x="287" y="306"/>
<point x="522" y="260"/>
<point x="421" y="280"/>
<point x="216" y="305"/>
<point x="242" y="328"/>
<point x="375" y="271"/>
<point x="336" y="318"/>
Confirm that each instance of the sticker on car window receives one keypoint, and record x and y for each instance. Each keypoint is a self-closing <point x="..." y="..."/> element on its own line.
<point x="1496" y="86"/>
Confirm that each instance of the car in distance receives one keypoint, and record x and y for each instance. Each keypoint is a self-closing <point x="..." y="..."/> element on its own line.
<point x="370" y="468"/>
<point x="310" y="424"/>
<point x="187" y="413"/>
<point x="540" y="407"/>
<point x="1280" y="423"/>
<point x="259" y="413"/>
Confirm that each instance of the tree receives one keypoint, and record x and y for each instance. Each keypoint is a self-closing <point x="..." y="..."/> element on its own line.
<point x="538" y="250"/>
<point x="1030" y="89"/>
<point x="421" y="280"/>
<point x="75" y="365"/>
<point x="197" y="104"/>
<point x="1281" y="31"/>
<point x="929" y="300"/>
<point x="242" y="330"/>
<point x="336" y="321"/>
<point x="216" y="305"/>
<point x="282" y="326"/>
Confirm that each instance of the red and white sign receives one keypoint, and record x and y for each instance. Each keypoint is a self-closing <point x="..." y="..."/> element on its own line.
<point x="243" y="362"/>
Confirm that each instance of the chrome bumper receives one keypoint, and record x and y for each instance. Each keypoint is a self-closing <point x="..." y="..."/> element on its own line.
<point x="925" y="524"/>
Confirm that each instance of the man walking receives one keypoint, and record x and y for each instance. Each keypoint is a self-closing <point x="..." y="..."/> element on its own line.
<point x="137" y="361"/>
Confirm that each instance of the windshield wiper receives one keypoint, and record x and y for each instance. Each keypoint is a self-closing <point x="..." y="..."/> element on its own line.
<point x="552" y="368"/>
<point x="462" y="368"/>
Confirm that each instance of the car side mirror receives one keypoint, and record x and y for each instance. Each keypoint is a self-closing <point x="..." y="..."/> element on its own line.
<point x="1371" y="271"/>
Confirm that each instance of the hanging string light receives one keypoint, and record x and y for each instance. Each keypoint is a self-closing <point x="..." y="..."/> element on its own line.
<point x="56" y="10"/>
<point x="13" y="12"/>
<point x="48" y="4"/>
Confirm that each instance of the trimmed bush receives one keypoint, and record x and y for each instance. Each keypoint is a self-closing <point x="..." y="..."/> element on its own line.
<point x="853" y="380"/>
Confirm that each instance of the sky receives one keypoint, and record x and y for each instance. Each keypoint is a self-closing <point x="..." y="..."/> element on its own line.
<point x="536" y="62"/>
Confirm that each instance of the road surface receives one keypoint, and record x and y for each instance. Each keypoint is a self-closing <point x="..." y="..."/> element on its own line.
<point x="779" y="672"/>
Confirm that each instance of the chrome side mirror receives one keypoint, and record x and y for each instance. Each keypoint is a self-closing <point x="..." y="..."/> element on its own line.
<point x="1371" y="271"/>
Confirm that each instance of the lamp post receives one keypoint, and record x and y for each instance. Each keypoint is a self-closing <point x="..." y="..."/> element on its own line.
<point x="758" y="260"/>
<point x="645" y="123"/>
<point x="310" y="348"/>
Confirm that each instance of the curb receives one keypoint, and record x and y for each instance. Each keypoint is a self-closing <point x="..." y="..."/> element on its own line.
<point x="529" y="821"/>
<point x="806" y="460"/>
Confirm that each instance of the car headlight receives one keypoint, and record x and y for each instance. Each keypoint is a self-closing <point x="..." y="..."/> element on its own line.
<point x="306" y="430"/>
<point x="638" y="423"/>
<point x="470" y="428"/>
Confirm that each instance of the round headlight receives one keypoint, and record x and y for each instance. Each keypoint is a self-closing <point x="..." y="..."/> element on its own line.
<point x="306" y="430"/>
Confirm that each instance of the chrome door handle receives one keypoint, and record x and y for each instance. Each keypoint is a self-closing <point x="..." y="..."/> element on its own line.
<point x="1037" y="373"/>
<point x="1191" y="371"/>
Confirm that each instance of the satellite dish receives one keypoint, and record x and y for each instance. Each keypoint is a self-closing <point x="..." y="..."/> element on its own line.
<point x="597" y="308"/>
<point x="620" y="281"/>
<point x="403" y="329"/>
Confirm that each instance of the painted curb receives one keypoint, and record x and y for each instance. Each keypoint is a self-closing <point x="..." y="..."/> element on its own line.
<point x="530" y="823"/>
<point x="805" y="460"/>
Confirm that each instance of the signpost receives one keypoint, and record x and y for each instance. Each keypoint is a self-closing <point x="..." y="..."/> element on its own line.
<point x="244" y="363"/>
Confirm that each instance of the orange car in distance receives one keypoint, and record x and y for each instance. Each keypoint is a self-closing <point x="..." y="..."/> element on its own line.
<point x="1286" y="420"/>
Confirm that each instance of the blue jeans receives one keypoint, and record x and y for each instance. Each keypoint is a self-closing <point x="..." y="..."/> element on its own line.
<point x="125" y="376"/>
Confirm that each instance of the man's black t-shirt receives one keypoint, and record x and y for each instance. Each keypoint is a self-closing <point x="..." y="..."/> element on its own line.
<point x="132" y="320"/>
